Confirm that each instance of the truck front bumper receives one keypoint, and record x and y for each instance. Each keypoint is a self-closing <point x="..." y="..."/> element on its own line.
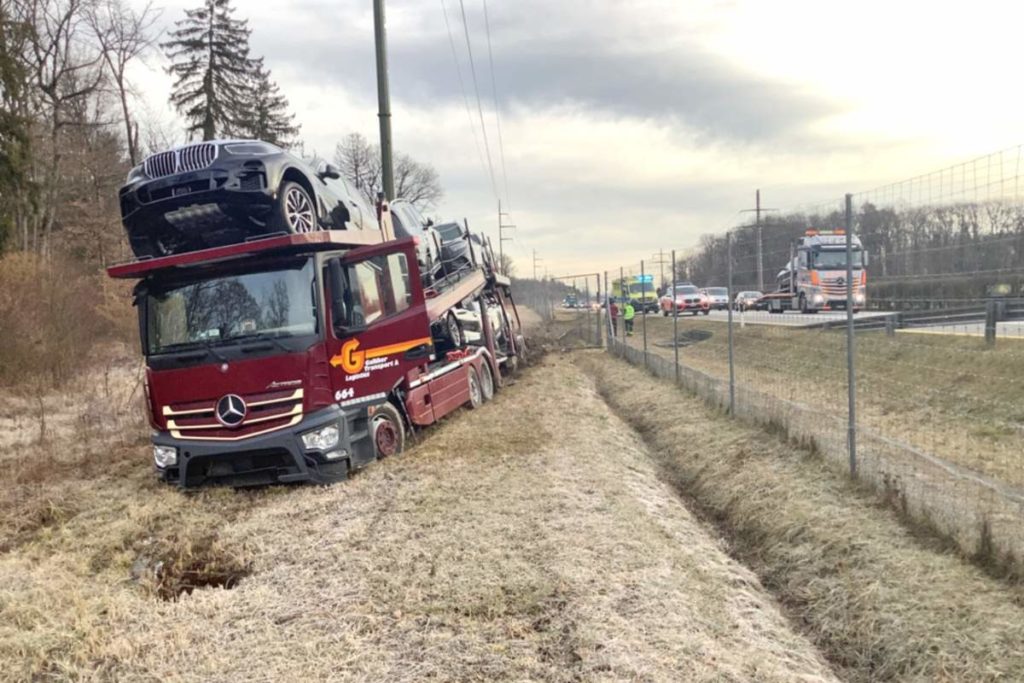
<point x="275" y="458"/>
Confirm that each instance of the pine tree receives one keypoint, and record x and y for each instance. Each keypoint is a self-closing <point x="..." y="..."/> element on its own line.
<point x="268" y="118"/>
<point x="209" y="51"/>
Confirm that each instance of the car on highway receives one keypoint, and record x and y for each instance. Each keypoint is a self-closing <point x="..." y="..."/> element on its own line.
<point x="409" y="222"/>
<point x="684" y="298"/>
<point x="718" y="297"/>
<point x="220" y="192"/>
<point x="746" y="300"/>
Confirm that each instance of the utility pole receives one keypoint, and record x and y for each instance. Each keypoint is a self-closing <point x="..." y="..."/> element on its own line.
<point x="502" y="227"/>
<point x="659" y="258"/>
<point x="383" y="100"/>
<point x="535" y="262"/>
<point x="760" y="252"/>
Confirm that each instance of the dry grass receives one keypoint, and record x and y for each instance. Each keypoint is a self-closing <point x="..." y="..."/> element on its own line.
<point x="945" y="395"/>
<point x="550" y="551"/>
<point x="882" y="604"/>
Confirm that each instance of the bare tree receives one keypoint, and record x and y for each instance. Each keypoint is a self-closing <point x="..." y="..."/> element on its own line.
<point x="417" y="182"/>
<point x="123" y="35"/>
<point x="359" y="162"/>
<point x="64" y="64"/>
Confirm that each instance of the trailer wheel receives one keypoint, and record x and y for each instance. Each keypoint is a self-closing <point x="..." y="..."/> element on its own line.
<point x="476" y="394"/>
<point x="487" y="381"/>
<point x="387" y="431"/>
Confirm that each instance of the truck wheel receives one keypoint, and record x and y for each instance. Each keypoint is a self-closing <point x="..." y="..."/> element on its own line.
<point x="387" y="431"/>
<point x="487" y="381"/>
<point x="803" y="305"/>
<point x="476" y="394"/>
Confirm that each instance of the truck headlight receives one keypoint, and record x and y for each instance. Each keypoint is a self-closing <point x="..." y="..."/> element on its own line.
<point x="321" y="439"/>
<point x="818" y="298"/>
<point x="165" y="456"/>
<point x="859" y="297"/>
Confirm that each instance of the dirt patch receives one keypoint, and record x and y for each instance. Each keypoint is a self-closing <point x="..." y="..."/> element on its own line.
<point x="882" y="604"/>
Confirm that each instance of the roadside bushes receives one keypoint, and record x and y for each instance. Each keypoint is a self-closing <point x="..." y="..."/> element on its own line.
<point x="53" y="313"/>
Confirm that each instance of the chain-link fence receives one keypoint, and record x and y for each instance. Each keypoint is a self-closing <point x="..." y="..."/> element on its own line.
<point x="884" y="332"/>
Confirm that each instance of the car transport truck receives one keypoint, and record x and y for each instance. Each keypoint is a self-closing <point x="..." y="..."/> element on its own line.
<point x="814" y="279"/>
<point x="302" y="356"/>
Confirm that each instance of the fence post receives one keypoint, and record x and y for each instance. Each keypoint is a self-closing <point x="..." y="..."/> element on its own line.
<point x="890" y="325"/>
<point x="675" y="314"/>
<point x="608" y="314"/>
<point x="991" y="317"/>
<point x="851" y="379"/>
<point x="643" y="306"/>
<point x="597" y="282"/>
<point x="732" y="371"/>
<point x="622" y="309"/>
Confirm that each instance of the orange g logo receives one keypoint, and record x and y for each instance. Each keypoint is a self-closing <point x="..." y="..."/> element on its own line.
<point x="350" y="359"/>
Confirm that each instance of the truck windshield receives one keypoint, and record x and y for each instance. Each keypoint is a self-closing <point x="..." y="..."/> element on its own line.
<point x="834" y="259"/>
<point x="641" y="288"/>
<point x="275" y="303"/>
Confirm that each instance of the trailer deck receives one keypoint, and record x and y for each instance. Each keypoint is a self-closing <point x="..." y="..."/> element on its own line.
<point x="322" y="240"/>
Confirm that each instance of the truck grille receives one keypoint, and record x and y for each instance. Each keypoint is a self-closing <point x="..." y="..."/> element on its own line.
<point x="191" y="158"/>
<point x="832" y="287"/>
<point x="265" y="412"/>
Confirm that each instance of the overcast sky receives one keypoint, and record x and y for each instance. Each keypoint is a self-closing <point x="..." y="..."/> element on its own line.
<point x="635" y="125"/>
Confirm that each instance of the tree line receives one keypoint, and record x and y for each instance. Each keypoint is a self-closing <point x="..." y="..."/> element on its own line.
<point x="966" y="250"/>
<point x="72" y="124"/>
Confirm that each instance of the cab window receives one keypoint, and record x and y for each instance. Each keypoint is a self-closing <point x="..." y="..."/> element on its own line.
<point x="363" y="293"/>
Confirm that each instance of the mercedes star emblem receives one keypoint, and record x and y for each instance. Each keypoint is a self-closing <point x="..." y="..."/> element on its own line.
<point x="231" y="410"/>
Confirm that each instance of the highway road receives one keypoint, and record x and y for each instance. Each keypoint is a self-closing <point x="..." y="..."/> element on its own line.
<point x="789" y="318"/>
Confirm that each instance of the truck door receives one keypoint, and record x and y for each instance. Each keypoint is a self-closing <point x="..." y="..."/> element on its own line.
<point x="378" y="328"/>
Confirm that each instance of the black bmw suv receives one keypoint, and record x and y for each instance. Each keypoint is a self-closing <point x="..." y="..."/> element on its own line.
<point x="208" y="194"/>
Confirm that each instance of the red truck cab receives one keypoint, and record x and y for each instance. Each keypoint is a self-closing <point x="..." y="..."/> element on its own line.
<point x="302" y="357"/>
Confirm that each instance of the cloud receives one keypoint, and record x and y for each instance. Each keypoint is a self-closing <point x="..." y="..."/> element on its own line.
<point x="590" y="54"/>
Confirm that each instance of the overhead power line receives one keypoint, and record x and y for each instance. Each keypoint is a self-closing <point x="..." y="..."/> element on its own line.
<point x="497" y="114"/>
<point x="462" y="87"/>
<point x="479" y="106"/>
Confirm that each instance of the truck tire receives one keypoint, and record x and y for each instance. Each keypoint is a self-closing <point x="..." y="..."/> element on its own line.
<point x="476" y="392"/>
<point x="487" y="381"/>
<point x="803" y="305"/>
<point x="387" y="431"/>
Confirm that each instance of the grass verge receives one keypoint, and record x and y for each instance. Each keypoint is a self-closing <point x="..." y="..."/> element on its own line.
<point x="876" y="599"/>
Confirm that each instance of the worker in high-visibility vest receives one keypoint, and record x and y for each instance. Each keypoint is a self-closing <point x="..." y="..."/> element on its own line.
<point x="628" y="313"/>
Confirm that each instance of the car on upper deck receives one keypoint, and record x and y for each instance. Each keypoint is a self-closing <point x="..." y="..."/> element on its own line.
<point x="220" y="192"/>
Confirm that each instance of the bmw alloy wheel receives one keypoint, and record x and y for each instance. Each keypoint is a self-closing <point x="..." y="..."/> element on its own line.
<point x="298" y="210"/>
